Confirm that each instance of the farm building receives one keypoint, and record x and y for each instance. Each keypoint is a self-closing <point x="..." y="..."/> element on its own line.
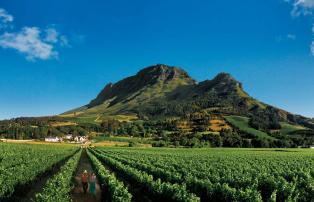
<point x="53" y="139"/>
<point x="80" y="139"/>
<point x="69" y="137"/>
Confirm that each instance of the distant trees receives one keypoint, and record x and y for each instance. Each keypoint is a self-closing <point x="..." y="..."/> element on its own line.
<point x="31" y="128"/>
<point x="265" y="120"/>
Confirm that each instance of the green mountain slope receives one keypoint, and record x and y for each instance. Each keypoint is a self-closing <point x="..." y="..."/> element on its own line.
<point x="123" y="97"/>
<point x="166" y="105"/>
<point x="162" y="92"/>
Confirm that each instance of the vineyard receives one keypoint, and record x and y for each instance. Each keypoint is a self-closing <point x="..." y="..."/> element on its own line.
<point x="215" y="174"/>
<point x="22" y="165"/>
<point x="150" y="174"/>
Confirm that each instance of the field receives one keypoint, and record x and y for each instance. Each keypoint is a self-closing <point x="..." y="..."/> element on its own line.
<point x="287" y="129"/>
<point x="242" y="123"/>
<point x="23" y="164"/>
<point x="44" y="173"/>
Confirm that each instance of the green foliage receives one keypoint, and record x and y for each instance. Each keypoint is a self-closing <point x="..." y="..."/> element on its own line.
<point x="22" y="164"/>
<point x="242" y="123"/>
<point x="287" y="128"/>
<point x="39" y="128"/>
<point x="57" y="188"/>
<point x="235" y="174"/>
<point x="266" y="119"/>
<point x="115" y="190"/>
<point x="161" y="190"/>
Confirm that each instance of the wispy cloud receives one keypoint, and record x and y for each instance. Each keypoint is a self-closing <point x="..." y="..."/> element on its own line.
<point x="301" y="7"/>
<point x="312" y="45"/>
<point x="64" y="41"/>
<point x="33" y="42"/>
<point x="288" y="37"/>
<point x="5" y="17"/>
<point x="291" y="36"/>
<point x="51" y="35"/>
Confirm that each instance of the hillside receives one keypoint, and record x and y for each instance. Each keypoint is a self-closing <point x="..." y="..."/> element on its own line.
<point x="165" y="104"/>
<point x="162" y="91"/>
<point x="127" y="95"/>
<point x="155" y="85"/>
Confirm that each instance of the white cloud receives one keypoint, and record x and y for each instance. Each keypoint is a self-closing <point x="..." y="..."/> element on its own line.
<point x="33" y="42"/>
<point x="5" y="17"/>
<point x="30" y="43"/>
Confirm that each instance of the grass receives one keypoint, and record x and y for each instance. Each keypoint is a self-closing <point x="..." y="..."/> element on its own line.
<point x="287" y="129"/>
<point x="242" y="123"/>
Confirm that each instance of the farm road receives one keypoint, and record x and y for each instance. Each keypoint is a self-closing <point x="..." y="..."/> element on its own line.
<point x="77" y="193"/>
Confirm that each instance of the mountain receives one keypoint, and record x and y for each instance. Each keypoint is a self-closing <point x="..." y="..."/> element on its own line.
<point x="162" y="92"/>
<point x="149" y="83"/>
<point x="165" y="104"/>
<point x="123" y="97"/>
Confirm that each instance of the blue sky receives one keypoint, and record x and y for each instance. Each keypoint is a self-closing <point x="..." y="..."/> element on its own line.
<point x="57" y="56"/>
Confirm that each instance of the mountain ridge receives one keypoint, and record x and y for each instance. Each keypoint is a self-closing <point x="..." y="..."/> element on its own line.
<point x="162" y="91"/>
<point x="164" y="104"/>
<point x="144" y="78"/>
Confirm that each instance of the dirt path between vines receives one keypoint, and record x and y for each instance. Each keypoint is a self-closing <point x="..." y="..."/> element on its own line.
<point x="77" y="193"/>
<point x="139" y="194"/>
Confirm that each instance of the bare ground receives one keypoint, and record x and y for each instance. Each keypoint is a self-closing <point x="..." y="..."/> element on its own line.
<point x="77" y="193"/>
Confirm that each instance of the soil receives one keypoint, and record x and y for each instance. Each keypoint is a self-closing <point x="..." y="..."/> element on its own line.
<point x="77" y="193"/>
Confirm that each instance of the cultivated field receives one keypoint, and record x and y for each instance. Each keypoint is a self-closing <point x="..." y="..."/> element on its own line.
<point x="22" y="166"/>
<point x="44" y="173"/>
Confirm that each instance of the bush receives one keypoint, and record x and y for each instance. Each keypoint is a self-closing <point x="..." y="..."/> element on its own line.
<point x="133" y="144"/>
<point x="160" y="143"/>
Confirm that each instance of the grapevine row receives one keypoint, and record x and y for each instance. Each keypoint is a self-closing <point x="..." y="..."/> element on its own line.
<point x="113" y="189"/>
<point x="234" y="176"/>
<point x="161" y="190"/>
<point x="57" y="188"/>
<point x="206" y="190"/>
<point x="22" y="164"/>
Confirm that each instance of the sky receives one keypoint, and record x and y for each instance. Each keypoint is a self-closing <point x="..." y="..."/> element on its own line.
<point x="57" y="55"/>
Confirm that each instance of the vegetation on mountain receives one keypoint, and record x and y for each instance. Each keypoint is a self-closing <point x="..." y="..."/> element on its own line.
<point x="165" y="104"/>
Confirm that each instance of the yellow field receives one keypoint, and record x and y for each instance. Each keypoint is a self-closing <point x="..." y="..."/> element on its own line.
<point x="217" y="125"/>
<point x="68" y="123"/>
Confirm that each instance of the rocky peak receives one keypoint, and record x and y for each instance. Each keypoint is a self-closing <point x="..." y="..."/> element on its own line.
<point x="147" y="77"/>
<point x="164" y="72"/>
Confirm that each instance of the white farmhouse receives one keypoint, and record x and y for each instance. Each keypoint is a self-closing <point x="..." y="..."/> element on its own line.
<point x="53" y="139"/>
<point x="68" y="137"/>
<point x="80" y="139"/>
